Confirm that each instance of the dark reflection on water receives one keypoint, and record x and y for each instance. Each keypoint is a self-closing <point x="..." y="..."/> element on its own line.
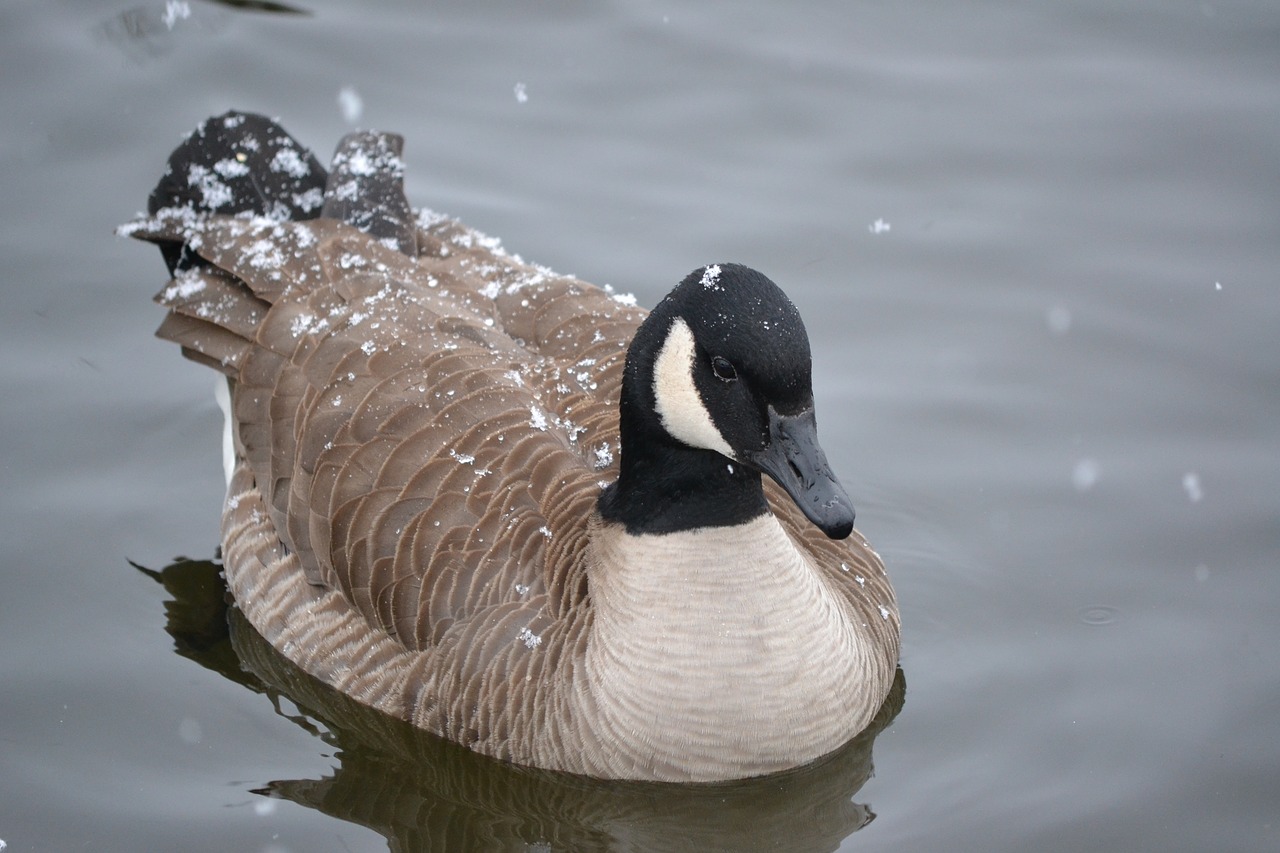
<point x="156" y="29"/>
<point x="424" y="793"/>
<point x="263" y="6"/>
<point x="149" y="32"/>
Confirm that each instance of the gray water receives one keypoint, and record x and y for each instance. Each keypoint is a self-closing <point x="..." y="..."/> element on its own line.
<point x="1049" y="377"/>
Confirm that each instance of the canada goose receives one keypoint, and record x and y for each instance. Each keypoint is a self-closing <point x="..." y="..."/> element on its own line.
<point x="507" y="505"/>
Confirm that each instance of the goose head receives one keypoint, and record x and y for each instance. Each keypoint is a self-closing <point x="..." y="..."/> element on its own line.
<point x="718" y="391"/>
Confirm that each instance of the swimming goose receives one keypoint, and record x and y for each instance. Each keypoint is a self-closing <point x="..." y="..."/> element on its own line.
<point x="506" y="505"/>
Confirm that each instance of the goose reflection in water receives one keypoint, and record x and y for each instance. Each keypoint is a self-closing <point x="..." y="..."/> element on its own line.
<point x="423" y="793"/>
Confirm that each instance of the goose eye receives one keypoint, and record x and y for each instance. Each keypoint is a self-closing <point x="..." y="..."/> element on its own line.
<point x="723" y="369"/>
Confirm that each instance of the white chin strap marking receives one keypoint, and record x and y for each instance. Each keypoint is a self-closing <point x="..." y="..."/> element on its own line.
<point x="676" y="398"/>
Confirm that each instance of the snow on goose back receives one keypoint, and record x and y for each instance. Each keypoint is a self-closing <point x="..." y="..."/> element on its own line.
<point x="434" y="508"/>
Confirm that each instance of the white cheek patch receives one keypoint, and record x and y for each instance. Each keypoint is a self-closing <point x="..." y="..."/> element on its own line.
<point x="676" y="398"/>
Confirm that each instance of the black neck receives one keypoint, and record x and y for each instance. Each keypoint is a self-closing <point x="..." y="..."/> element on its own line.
<point x="665" y="487"/>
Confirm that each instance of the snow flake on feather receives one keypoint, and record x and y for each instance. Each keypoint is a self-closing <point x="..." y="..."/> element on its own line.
<point x="264" y="254"/>
<point x="301" y="324"/>
<point x="231" y="167"/>
<point x="537" y="418"/>
<point x="312" y="199"/>
<point x="346" y="191"/>
<point x="603" y="456"/>
<point x="279" y="211"/>
<point x="711" y="277"/>
<point x="214" y="193"/>
<point x="428" y="218"/>
<point x="530" y="639"/>
<point x="184" y="286"/>
<point x="305" y="236"/>
<point x="358" y="163"/>
<point x="288" y="161"/>
<point x="627" y="299"/>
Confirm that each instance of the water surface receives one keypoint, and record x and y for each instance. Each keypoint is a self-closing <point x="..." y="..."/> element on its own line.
<point x="1048" y="377"/>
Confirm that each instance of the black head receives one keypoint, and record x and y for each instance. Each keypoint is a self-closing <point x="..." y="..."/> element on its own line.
<point x="721" y="370"/>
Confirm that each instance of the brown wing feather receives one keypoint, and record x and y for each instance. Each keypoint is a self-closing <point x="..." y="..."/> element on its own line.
<point x="417" y="429"/>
